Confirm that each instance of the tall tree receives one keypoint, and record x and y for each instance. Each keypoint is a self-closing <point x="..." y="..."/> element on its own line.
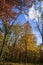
<point x="27" y="41"/>
<point x="7" y="15"/>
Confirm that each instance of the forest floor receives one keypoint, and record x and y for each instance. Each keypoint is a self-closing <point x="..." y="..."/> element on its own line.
<point x="9" y="63"/>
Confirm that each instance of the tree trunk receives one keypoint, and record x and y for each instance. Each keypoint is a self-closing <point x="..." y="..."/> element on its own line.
<point x="42" y="33"/>
<point x="3" y="45"/>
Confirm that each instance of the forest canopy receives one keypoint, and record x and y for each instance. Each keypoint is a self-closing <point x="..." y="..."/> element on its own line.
<point x="21" y="24"/>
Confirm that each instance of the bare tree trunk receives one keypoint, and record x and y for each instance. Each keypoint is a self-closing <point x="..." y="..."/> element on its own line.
<point x="42" y="33"/>
<point x="3" y="45"/>
<point x="25" y="52"/>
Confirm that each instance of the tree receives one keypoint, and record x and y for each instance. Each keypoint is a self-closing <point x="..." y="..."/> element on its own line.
<point x="1" y="39"/>
<point x="27" y="43"/>
<point x="6" y="6"/>
<point x="6" y="14"/>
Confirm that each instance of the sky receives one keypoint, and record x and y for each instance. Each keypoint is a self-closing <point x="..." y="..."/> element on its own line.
<point x="33" y="13"/>
<point x="22" y="20"/>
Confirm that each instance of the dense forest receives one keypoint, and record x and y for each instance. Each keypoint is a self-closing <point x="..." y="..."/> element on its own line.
<point x="18" y="42"/>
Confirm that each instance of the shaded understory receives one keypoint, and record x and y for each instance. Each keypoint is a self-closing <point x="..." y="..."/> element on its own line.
<point x="9" y="63"/>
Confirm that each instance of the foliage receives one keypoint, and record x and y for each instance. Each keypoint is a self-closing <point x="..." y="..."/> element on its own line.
<point x="16" y="40"/>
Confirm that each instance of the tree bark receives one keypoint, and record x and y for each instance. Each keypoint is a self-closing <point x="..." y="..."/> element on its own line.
<point x="3" y="45"/>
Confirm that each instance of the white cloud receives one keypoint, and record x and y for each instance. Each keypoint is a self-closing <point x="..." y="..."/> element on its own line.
<point x="34" y="14"/>
<point x="42" y="4"/>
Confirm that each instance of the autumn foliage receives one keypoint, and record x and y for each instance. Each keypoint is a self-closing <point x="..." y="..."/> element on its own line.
<point x="17" y="40"/>
<point x="6" y="6"/>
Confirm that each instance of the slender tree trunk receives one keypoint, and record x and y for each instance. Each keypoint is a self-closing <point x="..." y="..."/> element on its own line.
<point x="25" y="52"/>
<point x="3" y="45"/>
<point x="42" y="33"/>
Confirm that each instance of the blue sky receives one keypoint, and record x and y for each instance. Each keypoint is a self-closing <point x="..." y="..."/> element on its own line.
<point x="22" y="20"/>
<point x="31" y="16"/>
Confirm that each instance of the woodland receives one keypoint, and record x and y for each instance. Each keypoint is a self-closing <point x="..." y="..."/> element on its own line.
<point x="18" y="43"/>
